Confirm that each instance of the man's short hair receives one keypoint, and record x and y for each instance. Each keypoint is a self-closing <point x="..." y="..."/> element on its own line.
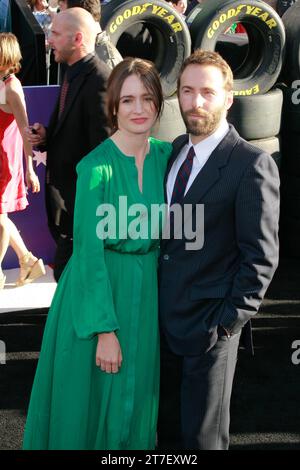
<point x="201" y="57"/>
<point x="92" y="6"/>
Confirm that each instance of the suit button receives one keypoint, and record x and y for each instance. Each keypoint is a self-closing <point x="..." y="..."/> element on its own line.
<point x="166" y="257"/>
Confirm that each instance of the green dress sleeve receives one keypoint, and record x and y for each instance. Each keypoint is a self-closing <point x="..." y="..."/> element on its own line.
<point x="93" y="308"/>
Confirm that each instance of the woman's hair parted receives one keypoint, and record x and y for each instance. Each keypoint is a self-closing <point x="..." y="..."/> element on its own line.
<point x="148" y="75"/>
<point x="10" y="54"/>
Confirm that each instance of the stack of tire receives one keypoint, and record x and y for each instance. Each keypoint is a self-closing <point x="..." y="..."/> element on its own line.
<point x="290" y="172"/>
<point x="155" y="31"/>
<point x="256" y="60"/>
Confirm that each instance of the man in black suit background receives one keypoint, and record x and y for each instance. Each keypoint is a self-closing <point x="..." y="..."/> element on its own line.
<point x="77" y="125"/>
<point x="209" y="292"/>
<point x="104" y="48"/>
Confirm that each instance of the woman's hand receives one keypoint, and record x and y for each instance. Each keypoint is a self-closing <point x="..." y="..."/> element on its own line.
<point x="32" y="180"/>
<point x="108" y="354"/>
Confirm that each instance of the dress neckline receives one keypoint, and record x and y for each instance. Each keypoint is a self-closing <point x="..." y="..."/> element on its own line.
<point x="130" y="158"/>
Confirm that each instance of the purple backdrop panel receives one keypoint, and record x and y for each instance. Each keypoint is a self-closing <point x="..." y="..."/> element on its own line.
<point x="32" y="222"/>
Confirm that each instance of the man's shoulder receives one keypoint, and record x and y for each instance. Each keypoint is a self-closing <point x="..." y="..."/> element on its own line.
<point x="247" y="149"/>
<point x="101" y="67"/>
<point x="247" y="155"/>
<point x="240" y="146"/>
<point x="97" y="70"/>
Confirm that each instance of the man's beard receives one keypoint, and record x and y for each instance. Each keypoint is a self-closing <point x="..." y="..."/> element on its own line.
<point x="205" y="126"/>
<point x="65" y="54"/>
<point x="63" y="58"/>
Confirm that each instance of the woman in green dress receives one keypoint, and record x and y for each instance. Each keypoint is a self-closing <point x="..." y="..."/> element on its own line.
<point x="97" y="380"/>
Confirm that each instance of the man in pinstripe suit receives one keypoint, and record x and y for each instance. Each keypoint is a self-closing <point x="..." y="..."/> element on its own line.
<point x="209" y="294"/>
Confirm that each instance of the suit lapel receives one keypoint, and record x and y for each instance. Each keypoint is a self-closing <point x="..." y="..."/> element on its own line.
<point x="74" y="90"/>
<point x="178" y="143"/>
<point x="210" y="173"/>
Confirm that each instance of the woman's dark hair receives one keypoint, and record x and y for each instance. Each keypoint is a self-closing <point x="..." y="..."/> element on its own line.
<point x="148" y="75"/>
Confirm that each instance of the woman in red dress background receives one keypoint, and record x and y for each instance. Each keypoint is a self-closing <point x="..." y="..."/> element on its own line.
<point x="13" y="120"/>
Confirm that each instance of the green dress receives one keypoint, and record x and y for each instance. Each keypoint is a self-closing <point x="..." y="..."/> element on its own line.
<point x="108" y="285"/>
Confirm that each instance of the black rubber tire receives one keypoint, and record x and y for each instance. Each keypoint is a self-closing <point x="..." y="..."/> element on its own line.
<point x="271" y="146"/>
<point x="257" y="116"/>
<point x="291" y="21"/>
<point x="261" y="66"/>
<point x="291" y="109"/>
<point x="290" y="196"/>
<point x="291" y="153"/>
<point x="170" y="124"/>
<point x="168" y="35"/>
<point x="283" y="5"/>
<point x="108" y="9"/>
<point x="290" y="131"/>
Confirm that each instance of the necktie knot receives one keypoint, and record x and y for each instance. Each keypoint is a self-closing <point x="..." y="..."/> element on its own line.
<point x="191" y="153"/>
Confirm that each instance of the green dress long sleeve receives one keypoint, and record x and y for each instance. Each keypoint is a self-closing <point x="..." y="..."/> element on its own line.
<point x="109" y="284"/>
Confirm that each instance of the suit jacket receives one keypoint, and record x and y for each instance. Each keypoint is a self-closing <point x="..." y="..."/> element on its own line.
<point x="224" y="282"/>
<point x="81" y="127"/>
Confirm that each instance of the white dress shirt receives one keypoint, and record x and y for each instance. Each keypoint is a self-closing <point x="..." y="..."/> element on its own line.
<point x="203" y="150"/>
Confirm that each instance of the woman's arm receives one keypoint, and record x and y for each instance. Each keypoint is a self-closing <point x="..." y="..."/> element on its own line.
<point x="93" y="309"/>
<point x="16" y="102"/>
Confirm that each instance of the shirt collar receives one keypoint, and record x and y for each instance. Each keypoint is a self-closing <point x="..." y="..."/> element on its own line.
<point x="75" y="69"/>
<point x="205" y="148"/>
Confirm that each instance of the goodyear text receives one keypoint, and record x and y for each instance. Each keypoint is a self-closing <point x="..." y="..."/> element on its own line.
<point x="139" y="10"/>
<point x="245" y="9"/>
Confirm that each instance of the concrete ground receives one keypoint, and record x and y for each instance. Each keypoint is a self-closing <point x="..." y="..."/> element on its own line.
<point x="265" y="407"/>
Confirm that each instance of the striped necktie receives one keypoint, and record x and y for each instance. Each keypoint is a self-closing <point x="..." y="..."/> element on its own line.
<point x="183" y="177"/>
<point x="63" y="96"/>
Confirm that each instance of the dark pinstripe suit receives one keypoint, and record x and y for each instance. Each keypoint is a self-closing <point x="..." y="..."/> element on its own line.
<point x="221" y="284"/>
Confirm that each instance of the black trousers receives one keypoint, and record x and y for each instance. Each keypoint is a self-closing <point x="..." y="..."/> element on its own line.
<point x="195" y="397"/>
<point x="64" y="250"/>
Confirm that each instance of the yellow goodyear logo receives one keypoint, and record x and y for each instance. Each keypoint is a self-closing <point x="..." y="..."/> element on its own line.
<point x="250" y="91"/>
<point x="139" y="10"/>
<point x="233" y="12"/>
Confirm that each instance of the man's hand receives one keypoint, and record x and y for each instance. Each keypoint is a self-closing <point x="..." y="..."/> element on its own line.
<point x="108" y="354"/>
<point x="36" y="134"/>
